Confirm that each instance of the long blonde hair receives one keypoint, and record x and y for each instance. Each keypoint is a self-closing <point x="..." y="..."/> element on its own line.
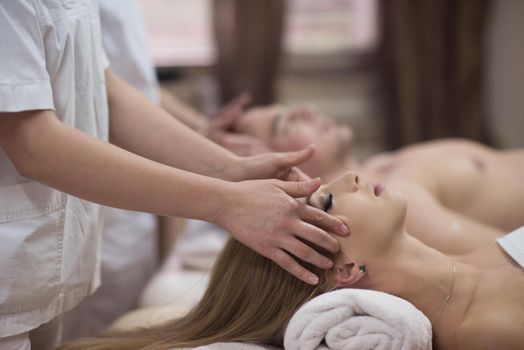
<point x="249" y="299"/>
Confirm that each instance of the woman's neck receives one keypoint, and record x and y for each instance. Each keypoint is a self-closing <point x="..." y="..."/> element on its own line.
<point x="419" y="274"/>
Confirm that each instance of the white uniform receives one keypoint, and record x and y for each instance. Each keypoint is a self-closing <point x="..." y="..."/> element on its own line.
<point x="125" y="43"/>
<point x="50" y="58"/>
<point x="129" y="240"/>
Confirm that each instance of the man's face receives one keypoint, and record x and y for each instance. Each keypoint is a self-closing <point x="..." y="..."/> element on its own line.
<point x="292" y="129"/>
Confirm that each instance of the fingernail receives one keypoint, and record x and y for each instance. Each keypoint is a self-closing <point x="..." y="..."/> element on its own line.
<point x="313" y="182"/>
<point x="328" y="264"/>
<point x="344" y="228"/>
<point x="313" y="279"/>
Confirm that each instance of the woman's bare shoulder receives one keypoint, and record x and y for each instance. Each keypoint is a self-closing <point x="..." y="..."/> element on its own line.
<point x="495" y="330"/>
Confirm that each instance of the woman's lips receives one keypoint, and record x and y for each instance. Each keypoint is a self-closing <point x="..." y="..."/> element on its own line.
<point x="378" y="188"/>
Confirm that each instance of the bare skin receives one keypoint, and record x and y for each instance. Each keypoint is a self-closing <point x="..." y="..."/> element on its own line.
<point x="158" y="165"/>
<point x="477" y="191"/>
<point x="485" y="309"/>
<point x="492" y="303"/>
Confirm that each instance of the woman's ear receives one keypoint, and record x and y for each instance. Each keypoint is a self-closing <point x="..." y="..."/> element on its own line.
<point x="346" y="275"/>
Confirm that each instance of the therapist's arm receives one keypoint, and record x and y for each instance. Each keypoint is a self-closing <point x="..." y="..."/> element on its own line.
<point x="142" y="128"/>
<point x="262" y="213"/>
<point x="46" y="150"/>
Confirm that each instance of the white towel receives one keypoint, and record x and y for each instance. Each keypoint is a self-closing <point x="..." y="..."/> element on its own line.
<point x="513" y="245"/>
<point x="349" y="319"/>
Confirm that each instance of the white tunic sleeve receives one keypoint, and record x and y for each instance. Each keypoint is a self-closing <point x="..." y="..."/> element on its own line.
<point x="24" y="81"/>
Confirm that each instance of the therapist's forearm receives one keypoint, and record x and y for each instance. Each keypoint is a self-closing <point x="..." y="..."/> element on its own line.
<point x="145" y="129"/>
<point x="73" y="162"/>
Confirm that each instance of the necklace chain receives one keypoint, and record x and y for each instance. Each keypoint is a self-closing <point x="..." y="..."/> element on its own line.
<point x="448" y="296"/>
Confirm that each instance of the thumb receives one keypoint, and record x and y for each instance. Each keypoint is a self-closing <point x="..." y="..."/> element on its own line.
<point x="225" y="120"/>
<point x="291" y="159"/>
<point x="299" y="189"/>
<point x="296" y="174"/>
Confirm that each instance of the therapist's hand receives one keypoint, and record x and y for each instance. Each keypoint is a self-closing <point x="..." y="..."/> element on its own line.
<point x="278" y="165"/>
<point x="266" y="216"/>
<point x="241" y="145"/>
<point x="220" y="129"/>
<point x="297" y="175"/>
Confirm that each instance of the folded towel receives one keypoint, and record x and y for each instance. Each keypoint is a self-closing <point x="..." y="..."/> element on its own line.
<point x="513" y="245"/>
<point x="358" y="319"/>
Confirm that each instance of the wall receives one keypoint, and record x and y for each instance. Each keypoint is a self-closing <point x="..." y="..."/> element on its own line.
<point x="505" y="72"/>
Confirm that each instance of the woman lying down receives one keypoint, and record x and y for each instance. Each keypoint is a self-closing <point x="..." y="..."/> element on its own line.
<point x="475" y="301"/>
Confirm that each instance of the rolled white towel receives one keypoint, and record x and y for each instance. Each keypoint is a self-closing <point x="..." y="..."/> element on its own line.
<point x="358" y="319"/>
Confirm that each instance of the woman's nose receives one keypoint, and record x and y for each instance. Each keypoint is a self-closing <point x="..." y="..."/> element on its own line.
<point x="351" y="179"/>
<point x="349" y="182"/>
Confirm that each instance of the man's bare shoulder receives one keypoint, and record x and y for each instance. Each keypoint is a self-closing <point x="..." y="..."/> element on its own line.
<point x="490" y="332"/>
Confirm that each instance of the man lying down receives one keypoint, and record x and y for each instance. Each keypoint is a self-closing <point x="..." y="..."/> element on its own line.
<point x="473" y="301"/>
<point x="461" y="195"/>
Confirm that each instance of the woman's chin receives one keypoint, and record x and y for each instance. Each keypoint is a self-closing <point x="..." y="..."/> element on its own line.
<point x="401" y="205"/>
<point x="396" y="197"/>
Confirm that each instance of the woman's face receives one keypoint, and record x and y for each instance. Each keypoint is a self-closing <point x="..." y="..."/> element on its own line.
<point x="374" y="214"/>
<point x="293" y="129"/>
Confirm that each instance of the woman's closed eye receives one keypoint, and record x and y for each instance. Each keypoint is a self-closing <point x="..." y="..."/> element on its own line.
<point x="328" y="203"/>
<point x="321" y="201"/>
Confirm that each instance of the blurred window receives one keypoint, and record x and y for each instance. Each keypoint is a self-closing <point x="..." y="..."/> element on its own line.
<point x="330" y="26"/>
<point x="181" y="30"/>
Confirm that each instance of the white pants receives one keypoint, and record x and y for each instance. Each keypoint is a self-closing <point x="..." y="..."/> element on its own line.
<point x="46" y="337"/>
